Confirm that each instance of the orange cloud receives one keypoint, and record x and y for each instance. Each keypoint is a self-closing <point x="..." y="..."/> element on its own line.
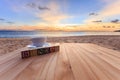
<point x="85" y="27"/>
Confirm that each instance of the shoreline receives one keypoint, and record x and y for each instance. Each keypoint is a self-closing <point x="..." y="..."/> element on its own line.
<point x="109" y="41"/>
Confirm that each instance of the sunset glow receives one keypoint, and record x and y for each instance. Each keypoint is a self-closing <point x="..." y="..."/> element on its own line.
<point x="60" y="15"/>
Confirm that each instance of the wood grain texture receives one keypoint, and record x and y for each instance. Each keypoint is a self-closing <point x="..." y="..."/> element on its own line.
<point x="74" y="61"/>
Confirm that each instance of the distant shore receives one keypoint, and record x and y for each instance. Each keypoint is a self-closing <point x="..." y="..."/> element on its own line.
<point x="10" y="44"/>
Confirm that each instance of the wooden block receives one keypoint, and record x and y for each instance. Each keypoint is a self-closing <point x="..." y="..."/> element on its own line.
<point x="52" y="49"/>
<point x="47" y="50"/>
<point x="43" y="51"/>
<point x="39" y="52"/>
<point x="25" y="54"/>
<point x="33" y="52"/>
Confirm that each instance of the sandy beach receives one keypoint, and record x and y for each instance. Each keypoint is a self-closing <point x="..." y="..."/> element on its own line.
<point x="79" y="58"/>
<point x="10" y="44"/>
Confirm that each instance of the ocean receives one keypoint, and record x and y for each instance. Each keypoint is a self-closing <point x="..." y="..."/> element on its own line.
<point x="31" y="34"/>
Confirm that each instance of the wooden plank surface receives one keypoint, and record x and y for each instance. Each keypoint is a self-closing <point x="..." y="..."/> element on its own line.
<point x="74" y="61"/>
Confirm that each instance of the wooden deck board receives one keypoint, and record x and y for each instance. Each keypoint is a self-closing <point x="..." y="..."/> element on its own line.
<point x="74" y="61"/>
<point x="63" y="68"/>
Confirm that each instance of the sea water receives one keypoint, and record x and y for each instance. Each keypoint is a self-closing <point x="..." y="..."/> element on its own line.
<point x="24" y="34"/>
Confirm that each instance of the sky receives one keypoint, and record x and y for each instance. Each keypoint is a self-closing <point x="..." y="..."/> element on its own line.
<point x="63" y="15"/>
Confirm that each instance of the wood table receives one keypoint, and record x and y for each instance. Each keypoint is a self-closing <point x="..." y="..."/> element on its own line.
<point x="74" y="61"/>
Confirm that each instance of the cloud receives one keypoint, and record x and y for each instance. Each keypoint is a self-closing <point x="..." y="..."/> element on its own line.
<point x="36" y="6"/>
<point x="54" y="15"/>
<point x="53" y="18"/>
<point x="93" y="14"/>
<point x="31" y="5"/>
<point x="97" y="21"/>
<point x="82" y="27"/>
<point x="115" y="21"/>
<point x="1" y="19"/>
<point x="9" y="22"/>
<point x="6" y="21"/>
<point x="43" y="8"/>
<point x="111" y="9"/>
<point x="48" y="11"/>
